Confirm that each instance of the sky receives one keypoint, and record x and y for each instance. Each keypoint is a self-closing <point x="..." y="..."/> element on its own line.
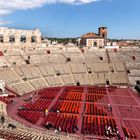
<point x="72" y="18"/>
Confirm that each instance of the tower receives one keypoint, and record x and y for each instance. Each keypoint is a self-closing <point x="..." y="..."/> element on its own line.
<point x="102" y="31"/>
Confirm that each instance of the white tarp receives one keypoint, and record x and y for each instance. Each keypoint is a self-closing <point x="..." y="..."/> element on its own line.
<point x="111" y="47"/>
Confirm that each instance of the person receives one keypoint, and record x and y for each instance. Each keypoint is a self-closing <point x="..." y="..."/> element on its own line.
<point x="59" y="129"/>
<point x="118" y="135"/>
<point x="130" y="108"/>
<point x="11" y="126"/>
<point x="32" y="100"/>
<point x="46" y="112"/>
<point x="109" y="128"/>
<point x="109" y="108"/>
<point x="109" y="131"/>
<point x="35" y="94"/>
<point x="31" y="96"/>
<point x="56" y="131"/>
<point x="108" y="105"/>
<point x="21" y="108"/>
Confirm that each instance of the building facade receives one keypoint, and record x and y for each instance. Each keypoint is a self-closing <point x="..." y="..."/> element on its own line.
<point x="93" y="39"/>
<point x="19" y="37"/>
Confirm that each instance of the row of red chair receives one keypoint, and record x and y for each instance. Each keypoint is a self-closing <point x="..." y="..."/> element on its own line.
<point x="63" y="122"/>
<point x="54" y="89"/>
<point x="97" y="90"/>
<point x="99" y="126"/>
<point x="74" y="89"/>
<point x="32" y="116"/>
<point x="93" y="109"/>
<point x="48" y="94"/>
<point x="96" y="97"/>
<point x="50" y="89"/>
<point x="67" y="107"/>
<point x="74" y="96"/>
<point x="39" y="105"/>
<point x="129" y="133"/>
<point x="119" y="91"/>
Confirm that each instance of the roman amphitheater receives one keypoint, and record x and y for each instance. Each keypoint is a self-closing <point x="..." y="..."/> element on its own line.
<point x="15" y="37"/>
<point x="67" y="93"/>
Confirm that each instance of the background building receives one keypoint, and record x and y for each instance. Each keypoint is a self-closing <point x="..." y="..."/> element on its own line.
<point x="93" y="39"/>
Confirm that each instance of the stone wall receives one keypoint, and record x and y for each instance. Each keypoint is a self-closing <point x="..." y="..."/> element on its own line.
<point x="19" y="37"/>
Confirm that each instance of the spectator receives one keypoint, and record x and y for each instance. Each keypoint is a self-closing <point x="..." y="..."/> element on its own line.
<point x="31" y="96"/>
<point x="109" y="108"/>
<point x="56" y="131"/>
<point x="11" y="126"/>
<point x="35" y="94"/>
<point x="59" y="129"/>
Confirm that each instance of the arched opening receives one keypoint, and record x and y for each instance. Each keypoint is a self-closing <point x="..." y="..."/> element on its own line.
<point x="33" y="39"/>
<point x="23" y="39"/>
<point x="1" y="38"/>
<point x="95" y="44"/>
<point x="77" y="83"/>
<point x="107" y="82"/>
<point x="138" y="82"/>
<point x="11" y="38"/>
<point x="0" y="90"/>
<point x="103" y="35"/>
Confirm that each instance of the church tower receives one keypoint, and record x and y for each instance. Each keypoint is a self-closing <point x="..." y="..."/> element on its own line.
<point x="102" y="31"/>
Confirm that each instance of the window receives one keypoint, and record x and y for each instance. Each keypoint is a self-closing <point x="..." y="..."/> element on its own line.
<point x="103" y="35"/>
<point x="33" y="39"/>
<point x="12" y="39"/>
<point x="95" y="44"/>
<point x="23" y="39"/>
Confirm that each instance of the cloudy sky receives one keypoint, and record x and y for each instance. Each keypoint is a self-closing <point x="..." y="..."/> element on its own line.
<point x="71" y="18"/>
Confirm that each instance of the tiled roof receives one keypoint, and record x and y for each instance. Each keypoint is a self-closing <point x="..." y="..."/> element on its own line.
<point x="91" y="35"/>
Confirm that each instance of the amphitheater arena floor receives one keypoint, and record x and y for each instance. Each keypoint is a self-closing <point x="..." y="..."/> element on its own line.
<point x="83" y="110"/>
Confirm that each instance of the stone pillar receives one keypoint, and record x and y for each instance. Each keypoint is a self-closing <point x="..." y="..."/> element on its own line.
<point x="6" y="38"/>
<point x="37" y="33"/>
<point x="17" y="38"/>
<point x="39" y="39"/>
<point x="28" y="39"/>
